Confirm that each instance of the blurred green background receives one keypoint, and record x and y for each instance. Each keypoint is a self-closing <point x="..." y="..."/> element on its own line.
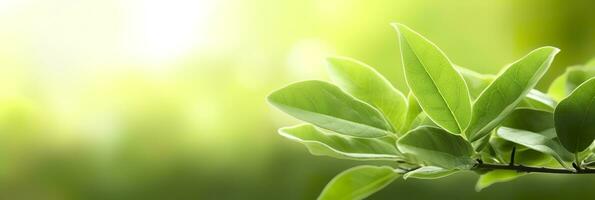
<point x="148" y="99"/>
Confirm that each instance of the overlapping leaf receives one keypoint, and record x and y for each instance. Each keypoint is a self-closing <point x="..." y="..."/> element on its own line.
<point x="438" y="87"/>
<point x="437" y="147"/>
<point x="364" y="83"/>
<point x="327" y="106"/>
<point x="495" y="176"/>
<point x="544" y="142"/>
<point x="429" y="172"/>
<point x="358" y="183"/>
<point x="575" y="118"/>
<point x="572" y="78"/>
<point x="326" y="143"/>
<point x="507" y="91"/>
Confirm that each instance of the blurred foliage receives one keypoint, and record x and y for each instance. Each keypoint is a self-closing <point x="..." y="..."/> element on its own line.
<point x="155" y="99"/>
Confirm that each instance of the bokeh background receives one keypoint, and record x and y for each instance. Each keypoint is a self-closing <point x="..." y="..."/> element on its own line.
<point x="149" y="99"/>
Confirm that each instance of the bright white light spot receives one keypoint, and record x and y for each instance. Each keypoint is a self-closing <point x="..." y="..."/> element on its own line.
<point x="7" y="5"/>
<point x="160" y="31"/>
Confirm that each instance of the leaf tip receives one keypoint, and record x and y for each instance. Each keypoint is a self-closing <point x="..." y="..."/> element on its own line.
<point x="400" y="27"/>
<point x="335" y="61"/>
<point x="270" y="97"/>
<point x="332" y="59"/>
<point x="552" y="50"/>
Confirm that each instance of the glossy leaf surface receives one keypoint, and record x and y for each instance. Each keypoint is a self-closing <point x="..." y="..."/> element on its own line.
<point x="437" y="147"/>
<point x="437" y="85"/>
<point x="327" y="106"/>
<point x="575" y="118"/>
<point x="366" y="84"/>
<point x="507" y="91"/>
<point x="326" y="143"/>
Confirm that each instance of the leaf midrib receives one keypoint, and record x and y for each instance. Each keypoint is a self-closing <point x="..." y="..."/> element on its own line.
<point x="344" y="153"/>
<point x="332" y="117"/>
<point x="435" y="86"/>
<point x="510" y="106"/>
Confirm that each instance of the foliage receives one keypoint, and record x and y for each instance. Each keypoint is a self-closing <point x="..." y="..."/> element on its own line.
<point x="452" y="119"/>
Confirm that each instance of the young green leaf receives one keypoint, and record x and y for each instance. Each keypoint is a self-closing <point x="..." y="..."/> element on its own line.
<point x="539" y="126"/>
<point x="478" y="82"/>
<point x="429" y="172"/>
<point x="575" y="118"/>
<point x="578" y="75"/>
<point x="523" y="155"/>
<point x="495" y="176"/>
<point x="475" y="81"/>
<point x="544" y="142"/>
<point x="590" y="160"/>
<point x="529" y="119"/>
<point x="557" y="89"/>
<point x="422" y="120"/>
<point x="326" y="143"/>
<point x="437" y="147"/>
<point x="438" y="87"/>
<point x="327" y="106"/>
<point x="507" y="91"/>
<point x="481" y="144"/>
<point x="364" y="83"/>
<point x="413" y="110"/>
<point x="538" y="100"/>
<point x="358" y="183"/>
<point x="567" y="82"/>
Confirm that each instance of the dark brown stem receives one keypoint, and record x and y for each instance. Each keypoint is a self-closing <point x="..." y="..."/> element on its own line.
<point x="526" y="169"/>
<point x="512" y="156"/>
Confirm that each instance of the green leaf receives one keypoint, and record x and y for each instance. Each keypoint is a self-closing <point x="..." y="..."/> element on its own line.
<point x="544" y="142"/>
<point x="326" y="143"/>
<point x="422" y="120"/>
<point x="475" y="81"/>
<point x="507" y="91"/>
<point x="557" y="89"/>
<point x="529" y="119"/>
<point x="495" y="176"/>
<point x="481" y="144"/>
<point x="413" y="110"/>
<point x="532" y="129"/>
<point x="575" y="116"/>
<point x="578" y="75"/>
<point x="358" y="183"/>
<point x="438" y="87"/>
<point x="590" y="160"/>
<point x="327" y="106"/>
<point x="538" y="100"/>
<point x="572" y="78"/>
<point x="478" y="82"/>
<point x="523" y="155"/>
<point x="429" y="172"/>
<point x="437" y="147"/>
<point x="364" y="83"/>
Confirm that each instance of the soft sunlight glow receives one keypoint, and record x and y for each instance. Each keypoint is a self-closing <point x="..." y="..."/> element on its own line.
<point x="160" y="31"/>
<point x="307" y="58"/>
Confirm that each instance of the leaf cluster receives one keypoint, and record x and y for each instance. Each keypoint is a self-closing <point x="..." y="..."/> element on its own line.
<point x="452" y="119"/>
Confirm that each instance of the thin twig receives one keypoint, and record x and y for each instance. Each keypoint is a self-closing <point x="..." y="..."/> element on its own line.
<point x="522" y="168"/>
<point x="512" y="156"/>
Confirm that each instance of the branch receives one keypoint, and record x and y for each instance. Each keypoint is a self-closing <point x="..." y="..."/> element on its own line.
<point x="522" y="168"/>
<point x="512" y="156"/>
